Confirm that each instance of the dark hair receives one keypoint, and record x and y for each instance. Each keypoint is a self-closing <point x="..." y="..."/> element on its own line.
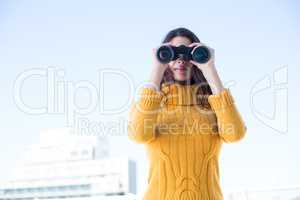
<point x="197" y="76"/>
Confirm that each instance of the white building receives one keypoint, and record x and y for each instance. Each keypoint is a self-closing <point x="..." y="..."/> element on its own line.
<point x="66" y="164"/>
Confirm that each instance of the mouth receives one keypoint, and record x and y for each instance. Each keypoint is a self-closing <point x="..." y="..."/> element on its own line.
<point x="181" y="69"/>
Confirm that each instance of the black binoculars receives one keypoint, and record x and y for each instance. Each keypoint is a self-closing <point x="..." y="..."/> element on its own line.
<point x="167" y="53"/>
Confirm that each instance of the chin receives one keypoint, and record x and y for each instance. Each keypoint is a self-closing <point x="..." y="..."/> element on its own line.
<point x="181" y="78"/>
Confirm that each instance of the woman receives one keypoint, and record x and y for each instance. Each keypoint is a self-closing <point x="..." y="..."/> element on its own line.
<point x="183" y="117"/>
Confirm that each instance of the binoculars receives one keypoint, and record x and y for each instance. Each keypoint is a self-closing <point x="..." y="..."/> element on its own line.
<point x="167" y="53"/>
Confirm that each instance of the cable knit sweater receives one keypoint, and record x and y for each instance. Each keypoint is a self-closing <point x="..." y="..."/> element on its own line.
<point x="183" y="141"/>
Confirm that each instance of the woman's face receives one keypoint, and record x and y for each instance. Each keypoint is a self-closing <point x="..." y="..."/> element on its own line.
<point x="181" y="69"/>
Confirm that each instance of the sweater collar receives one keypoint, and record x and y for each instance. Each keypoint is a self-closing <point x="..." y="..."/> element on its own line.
<point x="180" y="94"/>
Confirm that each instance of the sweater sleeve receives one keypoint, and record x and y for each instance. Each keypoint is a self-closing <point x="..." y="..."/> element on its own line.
<point x="143" y="116"/>
<point x="231" y="126"/>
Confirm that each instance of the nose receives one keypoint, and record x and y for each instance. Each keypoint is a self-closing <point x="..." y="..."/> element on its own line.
<point x="180" y="61"/>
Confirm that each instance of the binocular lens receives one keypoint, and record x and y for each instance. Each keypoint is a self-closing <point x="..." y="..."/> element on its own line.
<point x="201" y="54"/>
<point x="165" y="54"/>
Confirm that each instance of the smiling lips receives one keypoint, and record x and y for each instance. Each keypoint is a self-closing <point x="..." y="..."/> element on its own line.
<point x="181" y="69"/>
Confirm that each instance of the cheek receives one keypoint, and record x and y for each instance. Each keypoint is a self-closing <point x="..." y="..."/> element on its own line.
<point x="172" y="64"/>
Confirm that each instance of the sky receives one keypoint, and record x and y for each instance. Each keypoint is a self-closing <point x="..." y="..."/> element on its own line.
<point x="106" y="46"/>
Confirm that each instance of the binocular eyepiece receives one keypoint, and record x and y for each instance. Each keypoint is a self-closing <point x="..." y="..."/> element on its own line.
<point x="167" y="53"/>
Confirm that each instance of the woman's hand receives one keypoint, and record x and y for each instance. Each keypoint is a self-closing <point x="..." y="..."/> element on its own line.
<point x="156" y="63"/>
<point x="158" y="70"/>
<point x="209" y="70"/>
<point x="210" y="63"/>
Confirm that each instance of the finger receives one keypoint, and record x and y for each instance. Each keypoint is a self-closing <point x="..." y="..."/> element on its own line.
<point x="195" y="44"/>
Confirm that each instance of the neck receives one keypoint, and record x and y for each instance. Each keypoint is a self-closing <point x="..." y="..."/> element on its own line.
<point x="185" y="82"/>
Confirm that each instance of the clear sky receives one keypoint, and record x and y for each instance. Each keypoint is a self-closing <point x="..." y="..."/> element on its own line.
<point x="257" y="54"/>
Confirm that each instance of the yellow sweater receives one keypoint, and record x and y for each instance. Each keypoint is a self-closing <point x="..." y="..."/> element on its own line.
<point x="182" y="142"/>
